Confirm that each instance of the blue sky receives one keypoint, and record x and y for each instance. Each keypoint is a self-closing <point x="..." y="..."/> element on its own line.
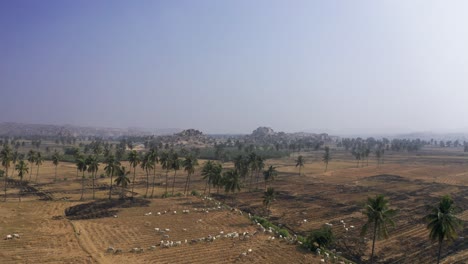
<point x="231" y="66"/>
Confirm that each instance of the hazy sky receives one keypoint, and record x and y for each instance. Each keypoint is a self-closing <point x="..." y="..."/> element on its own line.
<point x="231" y="66"/>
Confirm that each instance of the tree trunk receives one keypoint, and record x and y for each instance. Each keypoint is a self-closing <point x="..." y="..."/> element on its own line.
<point x="251" y="181"/>
<point x="147" y="183"/>
<point x="440" y="250"/>
<point x="258" y="177"/>
<point x="21" y="188"/>
<point x="326" y="166"/>
<point x="6" y="177"/>
<point x="152" y="189"/>
<point x="55" y="172"/>
<point x="110" y="189"/>
<point x="373" y="242"/>
<point x="167" y="182"/>
<point x="82" y="186"/>
<point x="133" y="183"/>
<point x="173" y="182"/>
<point x="93" y="174"/>
<point x="206" y="185"/>
<point x="30" y="172"/>
<point x="186" y="184"/>
<point x="37" y="172"/>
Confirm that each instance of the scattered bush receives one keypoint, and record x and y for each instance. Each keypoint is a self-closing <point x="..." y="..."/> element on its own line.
<point x="195" y="193"/>
<point x="322" y="237"/>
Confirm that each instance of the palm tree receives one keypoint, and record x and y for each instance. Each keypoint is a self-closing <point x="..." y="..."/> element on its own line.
<point x="300" y="163"/>
<point x="206" y="173"/>
<point x="175" y="165"/>
<point x="38" y="161"/>
<point x="22" y="168"/>
<point x="122" y="180"/>
<point x="252" y="164"/>
<point x="112" y="165"/>
<point x="93" y="166"/>
<point x="326" y="157"/>
<point x="442" y="222"/>
<point x="154" y="160"/>
<point x="5" y="156"/>
<point x="379" y="216"/>
<point x="31" y="159"/>
<point x="165" y="162"/>
<point x="81" y="166"/>
<point x="260" y="167"/>
<point x="269" y="197"/>
<point x="55" y="161"/>
<point x="231" y="181"/>
<point x="147" y="165"/>
<point x="269" y="174"/>
<point x="15" y="156"/>
<point x="189" y="165"/>
<point x="134" y="160"/>
<point x="211" y="172"/>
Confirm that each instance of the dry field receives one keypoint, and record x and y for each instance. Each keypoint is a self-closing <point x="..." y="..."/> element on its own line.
<point x="410" y="181"/>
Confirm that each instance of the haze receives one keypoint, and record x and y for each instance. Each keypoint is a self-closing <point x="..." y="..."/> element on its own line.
<point x="231" y="66"/>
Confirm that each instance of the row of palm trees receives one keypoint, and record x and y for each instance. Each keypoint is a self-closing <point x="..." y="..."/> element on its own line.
<point x="326" y="158"/>
<point x="442" y="222"/>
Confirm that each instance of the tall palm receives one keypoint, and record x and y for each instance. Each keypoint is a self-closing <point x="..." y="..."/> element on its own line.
<point x="206" y="172"/>
<point x="122" y="180"/>
<point x="147" y="165"/>
<point x="81" y="166"/>
<point x="252" y="164"/>
<point x="231" y="181"/>
<point x="55" y="161"/>
<point x="260" y="167"/>
<point x="31" y="159"/>
<point x="5" y="156"/>
<point x="211" y="173"/>
<point x="22" y="168"/>
<point x="269" y="174"/>
<point x="268" y="197"/>
<point x="326" y="157"/>
<point x="38" y="162"/>
<point x="134" y="160"/>
<point x="442" y="222"/>
<point x="112" y="165"/>
<point x="300" y="163"/>
<point x="175" y="165"/>
<point x="189" y="165"/>
<point x="93" y="166"/>
<point x="154" y="160"/>
<point x="15" y="156"/>
<point x="165" y="162"/>
<point x="378" y="216"/>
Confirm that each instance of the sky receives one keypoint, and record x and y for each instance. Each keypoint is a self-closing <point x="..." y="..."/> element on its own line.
<point x="331" y="66"/>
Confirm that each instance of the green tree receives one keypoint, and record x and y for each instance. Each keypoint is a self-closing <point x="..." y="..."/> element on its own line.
<point x="322" y="237"/>
<point x="326" y="157"/>
<point x="112" y="165"/>
<point x="211" y="172"/>
<point x="189" y="164"/>
<point x="260" y="167"/>
<point x="442" y="222"/>
<point x="269" y="175"/>
<point x="175" y="165"/>
<point x="55" y="161"/>
<point x="165" y="162"/>
<point x="154" y="160"/>
<point x="134" y="160"/>
<point x="5" y="157"/>
<point x="252" y="165"/>
<point x="38" y="161"/>
<point x="268" y="197"/>
<point x="147" y="165"/>
<point x="81" y="166"/>
<point x="122" y="180"/>
<point x="300" y="163"/>
<point x="379" y="216"/>
<point x="93" y="166"/>
<point x="22" y="168"/>
<point x="231" y="180"/>
<point x="31" y="159"/>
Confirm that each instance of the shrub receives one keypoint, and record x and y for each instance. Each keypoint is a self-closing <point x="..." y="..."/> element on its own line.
<point x="322" y="237"/>
<point x="283" y="232"/>
<point x="195" y="193"/>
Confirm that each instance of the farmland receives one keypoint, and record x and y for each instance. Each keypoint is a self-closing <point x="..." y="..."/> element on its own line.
<point x="305" y="202"/>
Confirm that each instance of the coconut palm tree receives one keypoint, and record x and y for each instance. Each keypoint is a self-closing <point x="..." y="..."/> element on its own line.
<point x="300" y="163"/>
<point x="38" y="162"/>
<point x="5" y="157"/>
<point x="81" y="166"/>
<point x="232" y="182"/>
<point x="31" y="159"/>
<point x="326" y="157"/>
<point x="260" y="167"/>
<point x="269" y="174"/>
<point x="211" y="172"/>
<point x="378" y="216"/>
<point x="122" y="180"/>
<point x="189" y="165"/>
<point x="175" y="165"/>
<point x="112" y="165"/>
<point x="22" y="168"/>
<point x="165" y="162"/>
<point x="93" y="166"/>
<point x="55" y="161"/>
<point x="154" y="160"/>
<point x="206" y="173"/>
<point x="134" y="160"/>
<point x="442" y="222"/>
<point x="268" y="197"/>
<point x="252" y="165"/>
<point x="147" y="165"/>
<point x="15" y="156"/>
